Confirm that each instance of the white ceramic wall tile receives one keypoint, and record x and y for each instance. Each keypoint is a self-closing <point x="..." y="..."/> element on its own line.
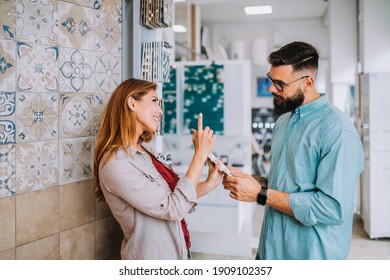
<point x="76" y="26"/>
<point x="76" y="157"/>
<point x="76" y="115"/>
<point x="37" y="68"/>
<point x="7" y="65"/>
<point x="7" y="120"/>
<point x="7" y="19"/>
<point x="36" y="166"/>
<point x="37" y="116"/>
<point x="76" y="70"/>
<point x="108" y="29"/>
<point x="37" y="21"/>
<point x="7" y="170"/>
<point x="108" y="72"/>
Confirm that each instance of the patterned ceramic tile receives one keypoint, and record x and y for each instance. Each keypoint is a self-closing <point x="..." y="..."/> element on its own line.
<point x="37" y="68"/>
<point x="76" y="26"/>
<point x="36" y="166"/>
<point x="108" y="72"/>
<point x="76" y="156"/>
<point x="7" y="65"/>
<point x="7" y="170"/>
<point x="108" y="33"/>
<point x="108" y="6"/>
<point x="37" y="21"/>
<point x="37" y="116"/>
<point x="76" y="115"/>
<point x="76" y="70"/>
<point x="101" y="100"/>
<point x="7" y="120"/>
<point x="7" y="19"/>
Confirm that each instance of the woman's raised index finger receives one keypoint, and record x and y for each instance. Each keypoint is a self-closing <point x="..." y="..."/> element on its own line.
<point x="200" y="122"/>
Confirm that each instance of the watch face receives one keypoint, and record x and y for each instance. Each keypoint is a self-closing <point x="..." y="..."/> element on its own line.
<point x="262" y="197"/>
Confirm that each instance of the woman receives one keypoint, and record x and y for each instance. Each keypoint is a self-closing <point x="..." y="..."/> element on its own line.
<point x="145" y="196"/>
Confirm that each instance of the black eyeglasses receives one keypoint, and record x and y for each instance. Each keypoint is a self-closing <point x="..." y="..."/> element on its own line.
<point x="280" y="84"/>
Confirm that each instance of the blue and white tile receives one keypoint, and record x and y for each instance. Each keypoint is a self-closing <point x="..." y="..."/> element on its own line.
<point x="36" y="166"/>
<point x="76" y="115"/>
<point x="7" y="170"/>
<point x="108" y="32"/>
<point x="7" y="65"/>
<point x="76" y="158"/>
<point x="7" y="118"/>
<point x="108" y="72"/>
<point x="37" y="117"/>
<point x="7" y="19"/>
<point x="37" y="68"/>
<point x="37" y="21"/>
<point x="76" y="26"/>
<point x="76" y="70"/>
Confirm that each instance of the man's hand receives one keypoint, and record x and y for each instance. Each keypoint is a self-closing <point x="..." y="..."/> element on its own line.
<point x="242" y="186"/>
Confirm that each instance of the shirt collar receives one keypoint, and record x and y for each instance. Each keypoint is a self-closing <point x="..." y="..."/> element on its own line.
<point x="306" y="109"/>
<point x="147" y="146"/>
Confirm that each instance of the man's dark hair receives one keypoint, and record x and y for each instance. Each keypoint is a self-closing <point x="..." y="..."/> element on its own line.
<point x="299" y="55"/>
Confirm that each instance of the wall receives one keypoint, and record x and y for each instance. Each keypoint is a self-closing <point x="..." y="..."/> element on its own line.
<point x="276" y="33"/>
<point x="343" y="40"/>
<point x="59" y="61"/>
<point x="374" y="40"/>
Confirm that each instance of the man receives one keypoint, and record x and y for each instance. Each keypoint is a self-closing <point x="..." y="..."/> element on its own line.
<point x="317" y="157"/>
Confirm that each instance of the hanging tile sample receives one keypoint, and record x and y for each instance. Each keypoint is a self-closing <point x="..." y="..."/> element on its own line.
<point x="169" y="92"/>
<point x="203" y="93"/>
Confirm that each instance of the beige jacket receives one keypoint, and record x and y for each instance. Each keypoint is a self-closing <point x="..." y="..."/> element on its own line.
<point x="148" y="212"/>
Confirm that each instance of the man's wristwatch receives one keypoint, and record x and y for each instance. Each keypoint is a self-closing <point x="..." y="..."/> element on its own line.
<point x="262" y="196"/>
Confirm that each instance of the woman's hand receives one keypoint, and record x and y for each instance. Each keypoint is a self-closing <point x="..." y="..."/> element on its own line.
<point x="213" y="179"/>
<point x="203" y="139"/>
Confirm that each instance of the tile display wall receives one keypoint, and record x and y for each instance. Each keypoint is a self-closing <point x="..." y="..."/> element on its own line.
<point x="203" y="92"/>
<point x="59" y="63"/>
<point x="169" y="91"/>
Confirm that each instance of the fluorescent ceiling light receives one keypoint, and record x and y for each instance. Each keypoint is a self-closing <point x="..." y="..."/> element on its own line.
<point x="179" y="28"/>
<point x="178" y="1"/>
<point x="258" y="10"/>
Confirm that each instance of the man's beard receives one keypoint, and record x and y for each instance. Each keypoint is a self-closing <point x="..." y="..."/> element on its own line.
<point x="283" y="105"/>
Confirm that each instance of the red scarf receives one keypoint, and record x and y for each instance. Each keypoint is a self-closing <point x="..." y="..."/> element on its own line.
<point x="172" y="178"/>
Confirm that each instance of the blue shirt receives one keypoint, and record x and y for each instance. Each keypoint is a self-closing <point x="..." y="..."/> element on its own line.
<point x="317" y="157"/>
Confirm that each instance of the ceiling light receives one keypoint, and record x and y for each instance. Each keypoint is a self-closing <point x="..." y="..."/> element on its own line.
<point x="258" y="10"/>
<point x="179" y="28"/>
<point x="178" y="1"/>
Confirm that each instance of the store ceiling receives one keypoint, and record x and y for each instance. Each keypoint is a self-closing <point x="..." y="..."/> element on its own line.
<point x="213" y="11"/>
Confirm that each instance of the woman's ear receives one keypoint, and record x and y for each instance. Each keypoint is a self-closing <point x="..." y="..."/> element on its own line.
<point x="131" y="103"/>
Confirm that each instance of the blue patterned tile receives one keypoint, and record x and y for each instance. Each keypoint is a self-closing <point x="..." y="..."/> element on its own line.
<point x="37" y="166"/>
<point x="7" y="170"/>
<point x="7" y="19"/>
<point x="7" y="65"/>
<point x="76" y="26"/>
<point x="37" y="68"/>
<point x="76" y="70"/>
<point x="36" y="117"/>
<point x="37" y="21"/>
<point x="7" y="121"/>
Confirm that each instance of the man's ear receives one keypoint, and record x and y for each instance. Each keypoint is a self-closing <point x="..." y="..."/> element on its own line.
<point x="309" y="83"/>
<point x="131" y="103"/>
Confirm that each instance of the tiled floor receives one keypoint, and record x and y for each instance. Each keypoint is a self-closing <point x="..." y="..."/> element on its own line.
<point x="362" y="248"/>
